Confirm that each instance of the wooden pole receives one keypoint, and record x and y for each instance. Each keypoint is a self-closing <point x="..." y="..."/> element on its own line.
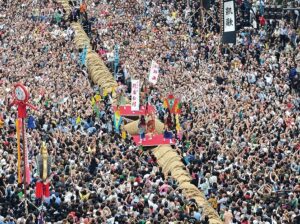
<point x="201" y="13"/>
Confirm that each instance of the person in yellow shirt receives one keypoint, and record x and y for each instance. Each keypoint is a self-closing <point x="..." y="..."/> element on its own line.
<point x="174" y="15"/>
<point x="84" y="195"/>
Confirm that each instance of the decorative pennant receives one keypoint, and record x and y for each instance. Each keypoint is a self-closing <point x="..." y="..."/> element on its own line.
<point x="173" y="104"/>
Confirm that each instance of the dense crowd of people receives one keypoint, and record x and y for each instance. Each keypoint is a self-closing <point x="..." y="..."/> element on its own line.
<point x="240" y="113"/>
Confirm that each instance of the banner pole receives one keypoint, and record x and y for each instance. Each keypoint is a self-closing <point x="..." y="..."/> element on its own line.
<point x="202" y="14"/>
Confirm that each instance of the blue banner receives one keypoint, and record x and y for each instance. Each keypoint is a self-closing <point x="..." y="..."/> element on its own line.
<point x="116" y="61"/>
<point x="82" y="56"/>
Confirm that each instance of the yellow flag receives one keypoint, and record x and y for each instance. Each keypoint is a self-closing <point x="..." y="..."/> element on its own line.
<point x="123" y="134"/>
<point x="97" y="98"/>
<point x="105" y="92"/>
<point x="78" y="120"/>
<point x="177" y="123"/>
<point x="93" y="101"/>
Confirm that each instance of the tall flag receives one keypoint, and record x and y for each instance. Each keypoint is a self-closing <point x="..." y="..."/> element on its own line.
<point x="18" y="128"/>
<point x="83" y="56"/>
<point x="43" y="163"/>
<point x="116" y="60"/>
<point x="135" y="95"/>
<point x="154" y="72"/>
<point x="78" y="120"/>
<point x="117" y="120"/>
<point x="43" y="168"/>
<point x="105" y="92"/>
<point x="123" y="134"/>
<point x="229" y="23"/>
<point x="93" y="101"/>
<point x="177" y="122"/>
<point x="31" y="123"/>
<point x="26" y="162"/>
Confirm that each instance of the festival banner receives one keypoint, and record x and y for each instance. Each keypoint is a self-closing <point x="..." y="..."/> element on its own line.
<point x="173" y="104"/>
<point x="31" y="122"/>
<point x="154" y="72"/>
<point x="117" y="120"/>
<point x="116" y="60"/>
<point x="229" y="23"/>
<point x="177" y="123"/>
<point x="18" y="128"/>
<point x="135" y="95"/>
<point x="26" y="163"/>
<point x="83" y="55"/>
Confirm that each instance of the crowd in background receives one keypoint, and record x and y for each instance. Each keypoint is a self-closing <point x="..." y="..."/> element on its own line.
<point x="240" y="114"/>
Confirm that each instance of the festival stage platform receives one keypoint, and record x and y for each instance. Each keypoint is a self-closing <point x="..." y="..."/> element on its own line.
<point x="127" y="112"/>
<point x="155" y="141"/>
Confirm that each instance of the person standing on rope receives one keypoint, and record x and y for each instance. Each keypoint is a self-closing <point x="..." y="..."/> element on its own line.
<point x="151" y="125"/>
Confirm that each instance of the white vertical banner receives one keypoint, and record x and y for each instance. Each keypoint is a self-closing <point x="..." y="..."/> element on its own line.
<point x="135" y="95"/>
<point x="154" y="72"/>
<point x="229" y="16"/>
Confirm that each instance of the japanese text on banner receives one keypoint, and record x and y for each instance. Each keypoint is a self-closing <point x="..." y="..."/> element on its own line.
<point x="229" y="18"/>
<point x="154" y="72"/>
<point x="135" y="95"/>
